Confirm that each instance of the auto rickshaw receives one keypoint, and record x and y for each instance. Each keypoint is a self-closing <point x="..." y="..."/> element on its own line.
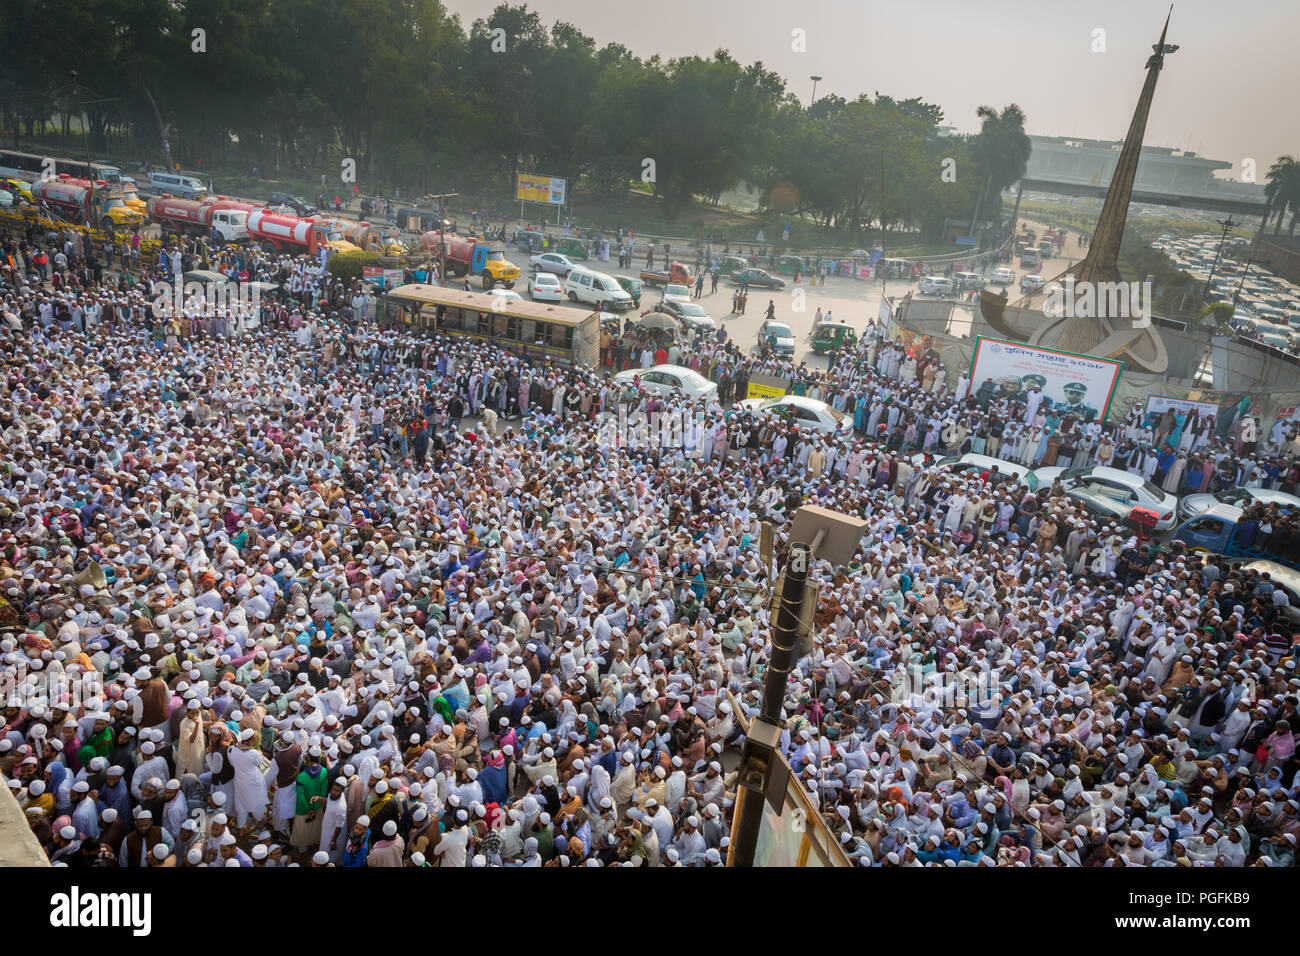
<point x="833" y="336"/>
<point x="573" y="248"/>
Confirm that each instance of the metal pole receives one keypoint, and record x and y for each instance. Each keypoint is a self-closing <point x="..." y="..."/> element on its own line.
<point x="442" y="242"/>
<point x="1245" y="272"/>
<point x="759" y="754"/>
<point x="1226" y="224"/>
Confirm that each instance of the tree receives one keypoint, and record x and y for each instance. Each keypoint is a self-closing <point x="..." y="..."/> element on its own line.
<point x="1282" y="191"/>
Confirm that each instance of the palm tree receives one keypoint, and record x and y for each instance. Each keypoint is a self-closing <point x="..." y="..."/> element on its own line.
<point x="1283" y="191"/>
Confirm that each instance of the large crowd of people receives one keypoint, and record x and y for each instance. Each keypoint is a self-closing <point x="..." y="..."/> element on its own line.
<point x="351" y="596"/>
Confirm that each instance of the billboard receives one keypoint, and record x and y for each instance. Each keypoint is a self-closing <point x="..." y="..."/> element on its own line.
<point x="1157" y="405"/>
<point x="534" y="188"/>
<point x="1080" y="385"/>
<point x="766" y="386"/>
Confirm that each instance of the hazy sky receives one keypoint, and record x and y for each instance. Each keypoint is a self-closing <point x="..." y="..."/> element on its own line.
<point x="1214" y="93"/>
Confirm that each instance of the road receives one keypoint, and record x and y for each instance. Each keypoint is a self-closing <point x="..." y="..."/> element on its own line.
<point x="855" y="301"/>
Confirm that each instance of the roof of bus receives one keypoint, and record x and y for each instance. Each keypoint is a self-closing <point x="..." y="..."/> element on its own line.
<point x="484" y="302"/>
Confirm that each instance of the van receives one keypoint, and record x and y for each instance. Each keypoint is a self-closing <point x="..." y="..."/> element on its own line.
<point x="182" y="187"/>
<point x="969" y="280"/>
<point x="598" y="289"/>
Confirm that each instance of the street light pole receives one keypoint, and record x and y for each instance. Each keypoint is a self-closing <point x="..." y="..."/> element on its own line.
<point x="1226" y="224"/>
<point x="815" y="81"/>
<point x="760" y="754"/>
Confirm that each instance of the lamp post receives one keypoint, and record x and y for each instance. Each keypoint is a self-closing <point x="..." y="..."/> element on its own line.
<point x="1226" y="224"/>
<point x="815" y="81"/>
<point x="764" y="775"/>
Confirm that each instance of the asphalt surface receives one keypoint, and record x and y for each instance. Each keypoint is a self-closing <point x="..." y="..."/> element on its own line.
<point x="855" y="301"/>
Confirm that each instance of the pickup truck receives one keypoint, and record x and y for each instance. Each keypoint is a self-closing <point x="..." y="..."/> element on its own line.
<point x="676" y="272"/>
<point x="1220" y="530"/>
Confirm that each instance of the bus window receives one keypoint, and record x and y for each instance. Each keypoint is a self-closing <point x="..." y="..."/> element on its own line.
<point x="560" y="336"/>
<point x="498" y="326"/>
<point x="484" y="324"/>
<point x="512" y="328"/>
<point x="530" y="334"/>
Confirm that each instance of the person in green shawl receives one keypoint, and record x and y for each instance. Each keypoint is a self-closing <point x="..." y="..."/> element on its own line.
<point x="99" y="743"/>
<point x="311" y="784"/>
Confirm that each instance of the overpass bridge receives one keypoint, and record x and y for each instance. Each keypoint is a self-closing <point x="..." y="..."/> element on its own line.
<point x="1166" y="177"/>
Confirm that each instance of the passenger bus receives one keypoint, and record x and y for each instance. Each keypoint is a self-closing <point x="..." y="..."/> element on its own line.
<point x="556" y="333"/>
<point x="32" y="167"/>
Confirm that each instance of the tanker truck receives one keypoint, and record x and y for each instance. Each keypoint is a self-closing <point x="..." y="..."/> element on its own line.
<point x="94" y="204"/>
<point x="278" y="232"/>
<point x="475" y="256"/>
<point x="371" y="237"/>
<point x="226" y="218"/>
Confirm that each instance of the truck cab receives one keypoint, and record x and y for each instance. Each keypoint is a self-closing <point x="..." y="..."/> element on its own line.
<point x="493" y="267"/>
<point x="1222" y="530"/>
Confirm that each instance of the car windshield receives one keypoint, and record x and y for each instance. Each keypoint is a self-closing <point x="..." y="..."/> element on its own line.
<point x="780" y="331"/>
<point x="496" y="255"/>
<point x="676" y="288"/>
<point x="693" y="310"/>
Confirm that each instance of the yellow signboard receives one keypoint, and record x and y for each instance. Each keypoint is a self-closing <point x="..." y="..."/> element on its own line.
<point x="763" y="391"/>
<point x="534" y="188"/>
<point x="767" y="386"/>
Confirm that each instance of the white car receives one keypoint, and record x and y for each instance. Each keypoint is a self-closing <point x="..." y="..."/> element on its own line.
<point x="1192" y="505"/>
<point x="1003" y="276"/>
<point x="806" y="412"/>
<point x="676" y="292"/>
<point x="667" y="379"/>
<point x="973" y="465"/>
<point x="545" y="287"/>
<point x="780" y="336"/>
<point x="554" y="262"/>
<point x="506" y="294"/>
<point x="6" y="198"/>
<point x="969" y="280"/>
<point x="1120" y="485"/>
<point x="934" y="285"/>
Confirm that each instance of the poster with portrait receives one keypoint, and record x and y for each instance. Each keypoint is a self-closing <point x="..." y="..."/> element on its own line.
<point x="1078" y="385"/>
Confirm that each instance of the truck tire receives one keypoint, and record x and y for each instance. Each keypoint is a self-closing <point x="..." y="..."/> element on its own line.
<point x="107" y="224"/>
<point x="268" y="246"/>
<point x="508" y="285"/>
<point x="573" y="297"/>
<point x="487" y="281"/>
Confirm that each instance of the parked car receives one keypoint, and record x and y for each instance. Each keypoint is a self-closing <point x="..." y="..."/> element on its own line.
<point x="1284" y="579"/>
<point x="300" y="207"/>
<point x="777" y="336"/>
<point x="975" y="465"/>
<point x="935" y="285"/>
<point x="691" y="315"/>
<point x="758" y="278"/>
<point x="545" y="287"/>
<point x="806" y="412"/>
<point x="1032" y="283"/>
<point x="1002" y="275"/>
<point x="556" y="262"/>
<point x="666" y="379"/>
<point x="1101" y="507"/>
<point x="1120" y="485"/>
<point x="969" y="280"/>
<point x="676" y="291"/>
<point x="1192" y="505"/>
